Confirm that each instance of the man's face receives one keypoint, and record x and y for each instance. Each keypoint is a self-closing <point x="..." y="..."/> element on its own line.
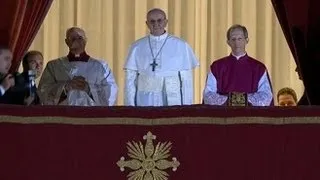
<point x="35" y="62"/>
<point x="286" y="100"/>
<point x="156" y="22"/>
<point x="76" y="39"/>
<point x="5" y="61"/>
<point x="237" y="41"/>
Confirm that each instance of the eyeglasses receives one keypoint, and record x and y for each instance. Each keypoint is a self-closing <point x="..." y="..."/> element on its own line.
<point x="159" y="21"/>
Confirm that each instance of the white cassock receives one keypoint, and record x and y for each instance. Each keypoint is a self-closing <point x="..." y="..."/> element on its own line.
<point x="103" y="88"/>
<point x="171" y="82"/>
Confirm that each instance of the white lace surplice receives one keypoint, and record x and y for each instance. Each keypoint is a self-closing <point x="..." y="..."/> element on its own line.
<point x="262" y="97"/>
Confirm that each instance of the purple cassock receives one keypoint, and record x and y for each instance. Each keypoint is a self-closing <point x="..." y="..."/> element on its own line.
<point x="242" y="74"/>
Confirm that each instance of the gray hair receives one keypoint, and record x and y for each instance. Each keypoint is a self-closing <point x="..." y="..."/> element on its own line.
<point x="157" y="10"/>
<point x="75" y="29"/>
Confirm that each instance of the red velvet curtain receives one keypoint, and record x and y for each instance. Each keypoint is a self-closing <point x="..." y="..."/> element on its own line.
<point x="299" y="20"/>
<point x="292" y="14"/>
<point x="27" y="18"/>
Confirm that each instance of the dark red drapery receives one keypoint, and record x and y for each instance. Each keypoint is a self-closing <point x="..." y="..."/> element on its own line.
<point x="19" y="29"/>
<point x="299" y="20"/>
<point x="292" y="13"/>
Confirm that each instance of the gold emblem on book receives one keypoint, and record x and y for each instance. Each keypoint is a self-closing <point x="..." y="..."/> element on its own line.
<point x="148" y="162"/>
<point x="238" y="99"/>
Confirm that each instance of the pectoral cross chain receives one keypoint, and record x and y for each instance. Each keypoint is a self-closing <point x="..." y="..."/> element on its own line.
<point x="154" y="63"/>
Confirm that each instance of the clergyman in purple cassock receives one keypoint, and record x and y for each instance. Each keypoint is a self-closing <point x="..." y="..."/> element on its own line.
<point x="238" y="72"/>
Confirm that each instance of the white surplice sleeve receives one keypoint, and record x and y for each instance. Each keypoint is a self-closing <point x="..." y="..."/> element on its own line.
<point x="106" y="86"/>
<point x="130" y="89"/>
<point x="210" y="95"/>
<point x="193" y="60"/>
<point x="263" y="96"/>
<point x="187" y="86"/>
<point x="131" y="75"/>
<point x="187" y="76"/>
<point x="50" y="89"/>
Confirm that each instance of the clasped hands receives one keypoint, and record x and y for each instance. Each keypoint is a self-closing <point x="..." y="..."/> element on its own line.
<point x="77" y="83"/>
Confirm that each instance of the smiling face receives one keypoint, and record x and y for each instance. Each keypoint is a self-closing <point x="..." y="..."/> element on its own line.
<point x="156" y="22"/>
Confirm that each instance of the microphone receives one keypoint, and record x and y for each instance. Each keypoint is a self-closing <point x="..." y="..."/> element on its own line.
<point x="31" y="83"/>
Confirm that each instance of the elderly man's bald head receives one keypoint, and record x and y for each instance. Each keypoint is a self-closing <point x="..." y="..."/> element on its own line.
<point x="156" y="10"/>
<point x="75" y="30"/>
<point x="76" y="40"/>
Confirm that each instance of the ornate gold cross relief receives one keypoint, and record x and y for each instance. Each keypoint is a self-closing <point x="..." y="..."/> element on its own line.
<point x="148" y="161"/>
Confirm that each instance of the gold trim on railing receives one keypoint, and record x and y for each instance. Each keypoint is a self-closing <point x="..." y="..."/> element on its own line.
<point x="160" y="121"/>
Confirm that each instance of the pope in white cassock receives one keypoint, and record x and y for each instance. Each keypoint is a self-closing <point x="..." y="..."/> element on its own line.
<point x="159" y="67"/>
<point x="77" y="79"/>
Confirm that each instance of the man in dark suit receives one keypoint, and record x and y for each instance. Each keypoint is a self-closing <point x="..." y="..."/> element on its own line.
<point x="32" y="63"/>
<point x="24" y="90"/>
<point x="6" y="80"/>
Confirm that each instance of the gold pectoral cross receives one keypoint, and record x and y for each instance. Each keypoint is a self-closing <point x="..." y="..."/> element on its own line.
<point x="154" y="64"/>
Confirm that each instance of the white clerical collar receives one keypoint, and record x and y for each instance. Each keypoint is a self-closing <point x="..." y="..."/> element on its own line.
<point x="239" y="56"/>
<point x="159" y="38"/>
